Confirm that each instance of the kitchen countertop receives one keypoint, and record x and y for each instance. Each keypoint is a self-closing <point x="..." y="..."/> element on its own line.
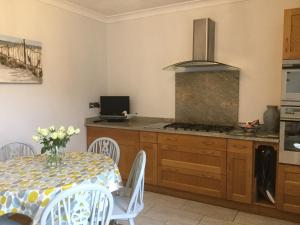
<point x="156" y="125"/>
<point x="136" y="123"/>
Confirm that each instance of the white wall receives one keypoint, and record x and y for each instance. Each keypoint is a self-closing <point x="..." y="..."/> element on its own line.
<point x="248" y="35"/>
<point x="74" y="71"/>
<point x="83" y="59"/>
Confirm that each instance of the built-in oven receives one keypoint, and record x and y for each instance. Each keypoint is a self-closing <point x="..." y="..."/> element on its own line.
<point x="289" y="150"/>
<point x="290" y="93"/>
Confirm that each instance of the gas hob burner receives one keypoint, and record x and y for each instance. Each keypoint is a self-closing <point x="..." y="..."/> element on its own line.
<point x="199" y="127"/>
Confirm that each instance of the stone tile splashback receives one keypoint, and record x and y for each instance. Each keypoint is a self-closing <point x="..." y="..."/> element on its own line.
<point x="207" y="97"/>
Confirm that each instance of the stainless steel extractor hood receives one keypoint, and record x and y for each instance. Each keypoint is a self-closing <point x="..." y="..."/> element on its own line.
<point x="203" y="50"/>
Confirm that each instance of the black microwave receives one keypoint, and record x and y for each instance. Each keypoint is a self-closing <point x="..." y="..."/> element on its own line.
<point x="114" y="105"/>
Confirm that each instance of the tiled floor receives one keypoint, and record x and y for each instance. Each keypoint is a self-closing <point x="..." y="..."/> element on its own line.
<point x="165" y="210"/>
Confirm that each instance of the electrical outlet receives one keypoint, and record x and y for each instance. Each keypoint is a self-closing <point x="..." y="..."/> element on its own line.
<point x="94" y="105"/>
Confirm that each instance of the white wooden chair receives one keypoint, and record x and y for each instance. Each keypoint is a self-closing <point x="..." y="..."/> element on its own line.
<point x="130" y="202"/>
<point x="15" y="149"/>
<point x="11" y="151"/>
<point x="106" y="146"/>
<point x="80" y="205"/>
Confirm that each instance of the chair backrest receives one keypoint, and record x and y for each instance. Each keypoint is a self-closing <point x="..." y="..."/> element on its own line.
<point x="106" y="146"/>
<point x="80" y="205"/>
<point x="135" y="183"/>
<point x="15" y="149"/>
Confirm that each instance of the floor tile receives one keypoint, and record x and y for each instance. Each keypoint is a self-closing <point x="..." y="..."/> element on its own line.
<point x="212" y="221"/>
<point x="166" y="210"/>
<point x="211" y="210"/>
<point x="172" y="216"/>
<point x="177" y="223"/>
<point x="152" y="195"/>
<point x="164" y="200"/>
<point x="252" y="219"/>
<point x="147" y="206"/>
<point x="141" y="220"/>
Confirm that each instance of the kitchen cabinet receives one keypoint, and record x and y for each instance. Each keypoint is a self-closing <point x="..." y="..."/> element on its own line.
<point x="291" y="36"/>
<point x="213" y="170"/>
<point x="192" y="163"/>
<point x="128" y="140"/>
<point x="239" y="170"/>
<point x="288" y="188"/>
<point x="148" y="142"/>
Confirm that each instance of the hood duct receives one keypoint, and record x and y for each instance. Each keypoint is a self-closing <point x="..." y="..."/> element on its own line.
<point x="203" y="51"/>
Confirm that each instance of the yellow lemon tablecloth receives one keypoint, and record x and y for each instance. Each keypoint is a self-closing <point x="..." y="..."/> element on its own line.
<point x="27" y="184"/>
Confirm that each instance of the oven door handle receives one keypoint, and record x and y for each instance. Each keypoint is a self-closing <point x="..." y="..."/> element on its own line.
<point x="289" y="119"/>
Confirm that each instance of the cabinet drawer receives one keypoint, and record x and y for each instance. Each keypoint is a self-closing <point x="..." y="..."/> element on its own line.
<point x="205" y="183"/>
<point x="177" y="154"/>
<point x="192" y="163"/>
<point x="150" y="137"/>
<point x="193" y="141"/>
<point x="239" y="146"/>
<point x="288" y="186"/>
<point x="121" y="136"/>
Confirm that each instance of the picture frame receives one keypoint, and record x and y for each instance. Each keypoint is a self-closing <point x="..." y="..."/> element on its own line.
<point x="20" y="61"/>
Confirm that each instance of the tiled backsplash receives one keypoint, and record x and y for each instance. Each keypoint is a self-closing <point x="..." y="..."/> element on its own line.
<point x="207" y="97"/>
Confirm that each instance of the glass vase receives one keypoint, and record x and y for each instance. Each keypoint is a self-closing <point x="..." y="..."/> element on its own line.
<point x="55" y="156"/>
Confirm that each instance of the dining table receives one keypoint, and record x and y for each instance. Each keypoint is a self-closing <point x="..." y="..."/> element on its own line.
<point x="28" y="184"/>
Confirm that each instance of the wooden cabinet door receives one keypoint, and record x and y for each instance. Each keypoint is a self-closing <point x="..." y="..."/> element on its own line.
<point x="149" y="145"/>
<point x="239" y="170"/>
<point x="291" y="36"/>
<point x="192" y="163"/>
<point x="288" y="188"/>
<point x="128" y="140"/>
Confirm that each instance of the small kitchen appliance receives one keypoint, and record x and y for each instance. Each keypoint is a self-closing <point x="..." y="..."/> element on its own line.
<point x="290" y="83"/>
<point x="114" y="108"/>
<point x="290" y="135"/>
<point x="289" y="147"/>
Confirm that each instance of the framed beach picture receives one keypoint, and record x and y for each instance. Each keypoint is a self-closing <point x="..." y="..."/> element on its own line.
<point x="20" y="61"/>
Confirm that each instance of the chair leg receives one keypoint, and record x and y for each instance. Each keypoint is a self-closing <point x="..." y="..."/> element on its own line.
<point x="131" y="221"/>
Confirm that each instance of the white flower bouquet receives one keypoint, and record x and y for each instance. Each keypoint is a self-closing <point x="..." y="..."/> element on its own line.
<point x="54" y="140"/>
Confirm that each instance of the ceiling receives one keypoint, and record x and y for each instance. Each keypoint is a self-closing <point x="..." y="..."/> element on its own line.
<point x="117" y="7"/>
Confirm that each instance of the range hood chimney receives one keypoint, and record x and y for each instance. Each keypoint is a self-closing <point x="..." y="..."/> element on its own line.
<point x="203" y="50"/>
